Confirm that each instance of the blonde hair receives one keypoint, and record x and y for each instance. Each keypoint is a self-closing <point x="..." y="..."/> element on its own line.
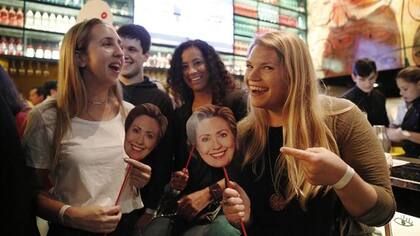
<point x="304" y="124"/>
<point x="71" y="89"/>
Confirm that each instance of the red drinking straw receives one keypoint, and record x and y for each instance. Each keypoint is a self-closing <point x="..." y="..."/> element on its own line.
<point x="230" y="186"/>
<point x="189" y="157"/>
<point x="127" y="172"/>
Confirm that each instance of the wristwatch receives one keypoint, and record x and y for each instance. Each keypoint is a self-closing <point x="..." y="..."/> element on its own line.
<point x="216" y="192"/>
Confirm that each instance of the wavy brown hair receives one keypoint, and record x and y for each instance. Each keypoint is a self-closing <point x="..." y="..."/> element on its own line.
<point x="220" y="80"/>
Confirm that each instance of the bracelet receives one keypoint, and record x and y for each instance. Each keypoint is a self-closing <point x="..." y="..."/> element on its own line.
<point x="61" y="212"/>
<point x="345" y="179"/>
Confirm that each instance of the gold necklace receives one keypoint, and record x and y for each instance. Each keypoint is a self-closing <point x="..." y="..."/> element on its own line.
<point x="276" y="201"/>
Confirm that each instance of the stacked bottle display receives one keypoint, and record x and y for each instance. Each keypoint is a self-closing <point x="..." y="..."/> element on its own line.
<point x="25" y="69"/>
<point x="14" y="47"/>
<point x="11" y="16"/>
<point x="67" y="3"/>
<point x="49" y="21"/>
<point x="255" y="17"/>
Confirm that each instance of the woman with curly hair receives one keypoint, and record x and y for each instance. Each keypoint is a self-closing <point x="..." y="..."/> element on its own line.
<point x="198" y="77"/>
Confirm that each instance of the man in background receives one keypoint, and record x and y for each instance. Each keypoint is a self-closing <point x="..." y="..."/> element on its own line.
<point x="364" y="95"/>
<point x="50" y="88"/>
<point x="36" y="95"/>
<point x="139" y="89"/>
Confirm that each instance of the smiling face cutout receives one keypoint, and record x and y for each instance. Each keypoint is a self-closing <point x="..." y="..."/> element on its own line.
<point x="211" y="129"/>
<point x="215" y="141"/>
<point x="141" y="137"/>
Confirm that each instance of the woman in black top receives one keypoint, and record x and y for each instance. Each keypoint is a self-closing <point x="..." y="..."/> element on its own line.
<point x="198" y="77"/>
<point x="408" y="81"/>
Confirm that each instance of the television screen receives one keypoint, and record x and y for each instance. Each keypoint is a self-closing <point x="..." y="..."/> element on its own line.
<point x="171" y="22"/>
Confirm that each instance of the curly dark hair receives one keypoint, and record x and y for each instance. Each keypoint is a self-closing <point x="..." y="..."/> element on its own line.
<point x="220" y="80"/>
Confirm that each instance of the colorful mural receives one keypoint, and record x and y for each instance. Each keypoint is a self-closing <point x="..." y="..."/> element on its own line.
<point x="342" y="31"/>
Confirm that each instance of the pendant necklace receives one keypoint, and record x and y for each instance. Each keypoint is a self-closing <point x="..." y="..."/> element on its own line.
<point x="276" y="201"/>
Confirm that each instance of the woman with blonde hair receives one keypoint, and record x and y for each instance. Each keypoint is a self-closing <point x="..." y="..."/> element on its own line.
<point x="75" y="142"/>
<point x="309" y="164"/>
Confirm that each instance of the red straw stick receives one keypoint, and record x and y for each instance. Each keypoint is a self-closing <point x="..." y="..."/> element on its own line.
<point x="189" y="157"/>
<point x="127" y="172"/>
<point x="230" y="186"/>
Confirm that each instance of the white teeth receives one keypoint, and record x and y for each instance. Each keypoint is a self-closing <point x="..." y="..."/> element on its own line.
<point x="115" y="66"/>
<point x="219" y="154"/>
<point x="137" y="148"/>
<point x="257" y="89"/>
<point x="195" y="78"/>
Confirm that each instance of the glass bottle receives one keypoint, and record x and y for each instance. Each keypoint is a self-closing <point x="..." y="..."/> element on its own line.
<point x="19" y="47"/>
<point x="45" y="20"/>
<point x="30" y="52"/>
<point x="29" y="19"/>
<point x="12" y="47"/>
<point x="19" y="17"/>
<point x="12" y="16"/>
<point x="39" y="53"/>
<point x="37" y="20"/>
<point x="4" y="15"/>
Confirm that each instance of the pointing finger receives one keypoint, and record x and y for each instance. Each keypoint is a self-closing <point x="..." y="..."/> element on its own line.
<point x="296" y="153"/>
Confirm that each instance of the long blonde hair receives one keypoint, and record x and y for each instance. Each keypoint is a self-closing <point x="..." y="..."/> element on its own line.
<point x="72" y="97"/>
<point x="304" y="124"/>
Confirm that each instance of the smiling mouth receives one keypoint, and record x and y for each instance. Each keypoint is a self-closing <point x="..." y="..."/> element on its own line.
<point x="257" y="89"/>
<point x="137" y="148"/>
<point x="218" y="155"/>
<point x="115" y="67"/>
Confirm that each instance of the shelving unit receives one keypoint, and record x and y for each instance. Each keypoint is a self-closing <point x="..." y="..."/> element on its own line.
<point x="253" y="17"/>
<point x="44" y="22"/>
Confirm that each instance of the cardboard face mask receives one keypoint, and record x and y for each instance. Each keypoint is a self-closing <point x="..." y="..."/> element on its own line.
<point x="215" y="141"/>
<point x="141" y="137"/>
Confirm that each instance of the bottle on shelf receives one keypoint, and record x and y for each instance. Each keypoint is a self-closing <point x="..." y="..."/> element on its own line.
<point x="12" y="68"/>
<point x="37" y="20"/>
<point x="19" y="17"/>
<point x="124" y="10"/>
<point x="21" y="70"/>
<point x="12" y="47"/>
<point x="3" y="46"/>
<point x="59" y="23"/>
<point x="4" y="15"/>
<point x="19" y="47"/>
<point x="45" y="21"/>
<point x="66" y="23"/>
<point x="29" y="19"/>
<point x="30" y="52"/>
<point x="46" y="71"/>
<point x="114" y="8"/>
<point x="12" y="16"/>
<point x="52" y="22"/>
<point x="38" y="69"/>
<point x="39" y="52"/>
<point x="55" y="53"/>
<point x="72" y="21"/>
<point x="30" y="69"/>
<point x="48" y="52"/>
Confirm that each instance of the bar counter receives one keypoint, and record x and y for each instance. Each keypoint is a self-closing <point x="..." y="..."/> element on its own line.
<point x="405" y="180"/>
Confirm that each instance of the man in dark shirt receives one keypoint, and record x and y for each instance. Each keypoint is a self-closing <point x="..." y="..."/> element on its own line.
<point x="139" y="89"/>
<point x="369" y="100"/>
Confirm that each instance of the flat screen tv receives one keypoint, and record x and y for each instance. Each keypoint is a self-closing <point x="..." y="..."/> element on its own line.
<point x="171" y="22"/>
